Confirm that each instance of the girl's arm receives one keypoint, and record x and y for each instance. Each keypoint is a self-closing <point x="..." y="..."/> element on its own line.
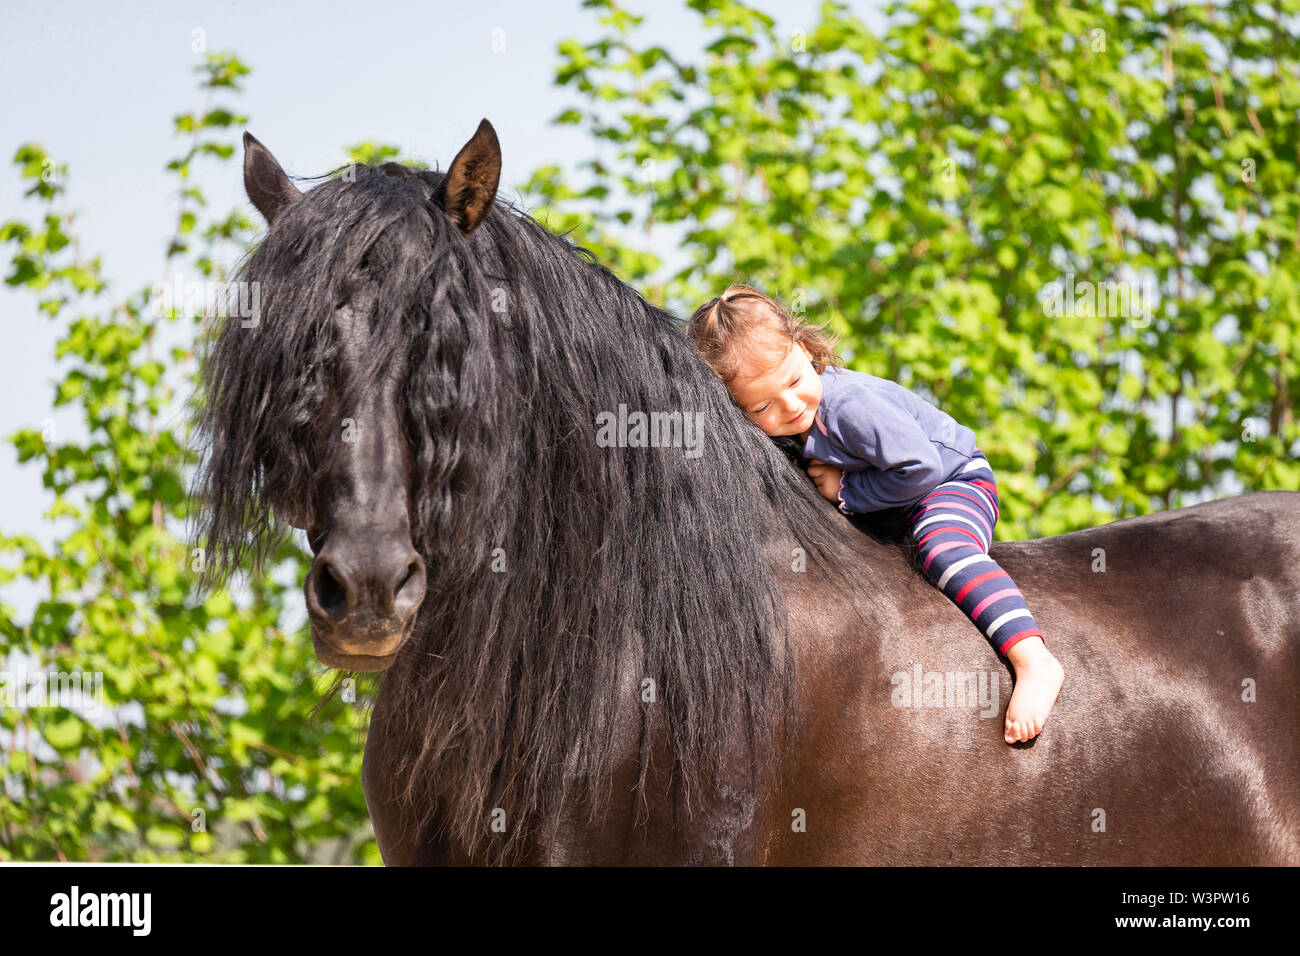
<point x="903" y="462"/>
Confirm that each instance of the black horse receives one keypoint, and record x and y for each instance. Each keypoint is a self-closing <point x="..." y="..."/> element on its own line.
<point x="618" y="626"/>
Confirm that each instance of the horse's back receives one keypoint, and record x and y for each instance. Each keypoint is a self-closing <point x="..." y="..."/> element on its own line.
<point x="1248" y="530"/>
<point x="1171" y="742"/>
<point x="1180" y="635"/>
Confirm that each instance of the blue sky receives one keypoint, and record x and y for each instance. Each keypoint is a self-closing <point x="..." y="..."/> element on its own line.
<point x="98" y="84"/>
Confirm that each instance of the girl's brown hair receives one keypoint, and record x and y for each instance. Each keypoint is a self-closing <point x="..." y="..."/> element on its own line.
<point x="743" y="322"/>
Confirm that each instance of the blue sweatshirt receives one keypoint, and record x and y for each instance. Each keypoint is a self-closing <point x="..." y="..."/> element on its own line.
<point x="893" y="447"/>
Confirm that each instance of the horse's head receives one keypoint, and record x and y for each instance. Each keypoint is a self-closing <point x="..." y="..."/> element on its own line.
<point x="310" y="412"/>
<point x="429" y="389"/>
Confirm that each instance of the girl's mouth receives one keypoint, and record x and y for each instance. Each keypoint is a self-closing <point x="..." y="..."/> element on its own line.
<point x="798" y="418"/>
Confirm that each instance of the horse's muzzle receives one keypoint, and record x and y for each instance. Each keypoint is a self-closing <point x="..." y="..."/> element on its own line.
<point x="362" y="596"/>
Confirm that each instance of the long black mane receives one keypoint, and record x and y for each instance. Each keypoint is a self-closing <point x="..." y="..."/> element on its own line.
<point x="559" y="572"/>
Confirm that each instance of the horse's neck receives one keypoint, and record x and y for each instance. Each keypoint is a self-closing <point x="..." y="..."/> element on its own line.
<point x="861" y="576"/>
<point x="850" y="547"/>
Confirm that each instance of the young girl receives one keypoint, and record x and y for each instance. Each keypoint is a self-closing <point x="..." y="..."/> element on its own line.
<point x="873" y="445"/>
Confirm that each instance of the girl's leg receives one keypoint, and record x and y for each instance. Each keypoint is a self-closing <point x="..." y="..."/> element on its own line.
<point x="953" y="530"/>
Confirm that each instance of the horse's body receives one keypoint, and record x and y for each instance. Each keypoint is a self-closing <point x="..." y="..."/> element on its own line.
<point x="1151" y="755"/>
<point x="602" y="654"/>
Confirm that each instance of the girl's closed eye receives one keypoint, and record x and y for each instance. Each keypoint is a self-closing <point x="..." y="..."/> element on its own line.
<point x="762" y="408"/>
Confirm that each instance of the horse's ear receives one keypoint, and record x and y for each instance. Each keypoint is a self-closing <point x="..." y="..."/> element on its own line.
<point x="470" y="186"/>
<point x="267" y="186"/>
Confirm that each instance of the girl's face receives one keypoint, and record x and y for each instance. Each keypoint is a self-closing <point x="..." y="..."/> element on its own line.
<point x="780" y="398"/>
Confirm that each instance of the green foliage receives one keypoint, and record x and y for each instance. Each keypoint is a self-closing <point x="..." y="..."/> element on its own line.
<point x="920" y="191"/>
<point x="204" y="696"/>
<point x="373" y="153"/>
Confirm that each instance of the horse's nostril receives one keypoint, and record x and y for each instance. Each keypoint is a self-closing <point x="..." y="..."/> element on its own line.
<point x="365" y="584"/>
<point x="331" y="593"/>
<point x="410" y="573"/>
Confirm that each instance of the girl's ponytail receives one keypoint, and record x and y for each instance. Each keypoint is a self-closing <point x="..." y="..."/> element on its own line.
<point x="743" y="320"/>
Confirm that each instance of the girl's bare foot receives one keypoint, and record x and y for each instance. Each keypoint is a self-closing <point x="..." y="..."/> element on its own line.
<point x="1038" y="680"/>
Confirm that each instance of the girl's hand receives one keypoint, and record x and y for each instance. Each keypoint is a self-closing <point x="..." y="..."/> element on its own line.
<point x="826" y="478"/>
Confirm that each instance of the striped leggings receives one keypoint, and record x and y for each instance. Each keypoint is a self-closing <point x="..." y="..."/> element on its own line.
<point x="953" y="530"/>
